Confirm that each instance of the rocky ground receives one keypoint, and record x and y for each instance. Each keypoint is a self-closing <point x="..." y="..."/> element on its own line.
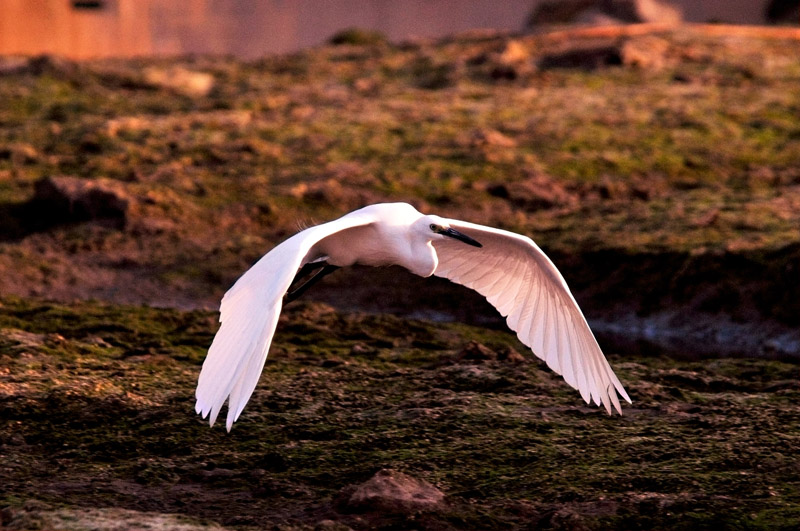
<point x="657" y="167"/>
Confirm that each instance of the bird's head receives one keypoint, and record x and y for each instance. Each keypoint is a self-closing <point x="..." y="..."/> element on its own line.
<point x="436" y="228"/>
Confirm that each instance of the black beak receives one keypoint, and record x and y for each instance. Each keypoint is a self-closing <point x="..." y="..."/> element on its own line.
<point x="460" y="236"/>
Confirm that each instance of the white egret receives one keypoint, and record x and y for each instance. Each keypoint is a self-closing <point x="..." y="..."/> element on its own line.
<point x="508" y="269"/>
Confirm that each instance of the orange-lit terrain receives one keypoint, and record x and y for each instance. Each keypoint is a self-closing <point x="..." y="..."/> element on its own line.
<point x="658" y="167"/>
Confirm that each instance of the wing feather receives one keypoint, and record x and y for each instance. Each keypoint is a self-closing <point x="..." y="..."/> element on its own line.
<point x="249" y="315"/>
<point x="524" y="285"/>
<point x="506" y="291"/>
<point x="526" y="311"/>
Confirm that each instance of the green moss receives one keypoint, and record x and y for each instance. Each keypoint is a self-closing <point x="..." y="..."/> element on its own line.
<point x="705" y="443"/>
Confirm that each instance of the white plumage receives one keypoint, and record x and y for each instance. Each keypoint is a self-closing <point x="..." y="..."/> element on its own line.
<point x="508" y="269"/>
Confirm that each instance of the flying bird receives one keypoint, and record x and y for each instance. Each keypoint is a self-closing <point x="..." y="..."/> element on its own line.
<point x="507" y="268"/>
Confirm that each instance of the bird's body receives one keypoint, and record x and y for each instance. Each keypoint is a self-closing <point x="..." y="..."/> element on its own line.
<point x="381" y="244"/>
<point x="508" y="269"/>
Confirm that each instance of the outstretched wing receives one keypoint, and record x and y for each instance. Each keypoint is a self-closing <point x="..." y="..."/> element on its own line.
<point x="518" y="279"/>
<point x="248" y="315"/>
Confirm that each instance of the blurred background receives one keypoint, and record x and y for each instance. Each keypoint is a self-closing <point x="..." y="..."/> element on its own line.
<point x="107" y="28"/>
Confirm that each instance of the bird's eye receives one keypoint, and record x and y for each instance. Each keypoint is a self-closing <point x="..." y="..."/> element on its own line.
<point x="433" y="227"/>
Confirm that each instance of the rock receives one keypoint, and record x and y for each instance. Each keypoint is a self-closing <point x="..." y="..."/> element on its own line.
<point x="490" y="137"/>
<point x="475" y="351"/>
<point x="604" y="12"/>
<point x="395" y="492"/>
<point x="68" y="199"/>
<point x="514" y="52"/>
<point x="181" y="80"/>
<point x="488" y="144"/>
<point x="510" y="355"/>
<point x="362" y="349"/>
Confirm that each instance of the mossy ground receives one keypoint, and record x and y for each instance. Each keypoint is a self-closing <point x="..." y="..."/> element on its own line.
<point x="97" y="411"/>
<point x="694" y="154"/>
<point x="664" y="186"/>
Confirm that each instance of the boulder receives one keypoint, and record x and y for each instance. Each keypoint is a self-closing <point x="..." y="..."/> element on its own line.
<point x="391" y="491"/>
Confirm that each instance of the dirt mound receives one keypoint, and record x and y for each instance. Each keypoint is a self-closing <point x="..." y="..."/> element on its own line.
<point x="65" y="199"/>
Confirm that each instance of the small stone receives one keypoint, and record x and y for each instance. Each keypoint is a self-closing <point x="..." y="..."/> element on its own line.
<point x="180" y="80"/>
<point x="475" y="351"/>
<point x="490" y="137"/>
<point x="395" y="492"/>
<point x="514" y="52"/>
<point x="361" y="349"/>
<point x="510" y="355"/>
